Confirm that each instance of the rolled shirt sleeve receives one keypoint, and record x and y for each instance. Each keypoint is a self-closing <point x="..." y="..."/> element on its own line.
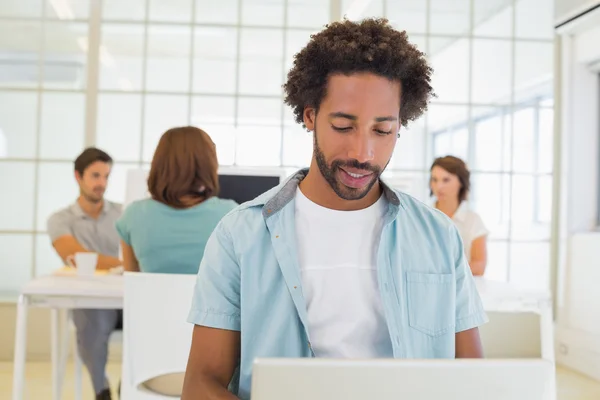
<point x="216" y="299"/>
<point x="478" y="228"/>
<point x="59" y="224"/>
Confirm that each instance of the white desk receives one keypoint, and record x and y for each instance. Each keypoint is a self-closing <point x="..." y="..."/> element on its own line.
<point x="60" y="293"/>
<point x="508" y="298"/>
<point x="106" y="292"/>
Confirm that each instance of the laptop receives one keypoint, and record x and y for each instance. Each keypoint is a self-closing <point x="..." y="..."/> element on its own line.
<point x="461" y="379"/>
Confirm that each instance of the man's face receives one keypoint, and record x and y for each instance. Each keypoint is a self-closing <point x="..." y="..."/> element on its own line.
<point x="355" y="131"/>
<point x="92" y="184"/>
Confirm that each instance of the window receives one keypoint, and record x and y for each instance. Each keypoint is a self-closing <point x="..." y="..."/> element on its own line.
<point x="220" y="65"/>
<point x="511" y="165"/>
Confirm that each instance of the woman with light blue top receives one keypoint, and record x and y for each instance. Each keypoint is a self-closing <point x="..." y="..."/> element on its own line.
<point x="167" y="233"/>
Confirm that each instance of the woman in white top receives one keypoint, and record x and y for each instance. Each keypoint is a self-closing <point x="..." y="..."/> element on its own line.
<point x="450" y="184"/>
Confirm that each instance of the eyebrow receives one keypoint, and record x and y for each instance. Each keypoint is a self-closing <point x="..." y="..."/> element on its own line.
<point x="354" y="118"/>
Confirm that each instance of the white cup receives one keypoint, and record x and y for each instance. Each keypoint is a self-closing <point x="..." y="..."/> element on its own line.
<point x="84" y="262"/>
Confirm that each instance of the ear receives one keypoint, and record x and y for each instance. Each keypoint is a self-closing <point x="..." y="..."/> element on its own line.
<point x="78" y="176"/>
<point x="310" y="117"/>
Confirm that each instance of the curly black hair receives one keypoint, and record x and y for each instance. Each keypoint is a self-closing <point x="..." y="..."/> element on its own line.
<point x="347" y="47"/>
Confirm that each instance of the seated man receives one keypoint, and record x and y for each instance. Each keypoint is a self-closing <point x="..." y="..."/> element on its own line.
<point x="89" y="225"/>
<point x="334" y="263"/>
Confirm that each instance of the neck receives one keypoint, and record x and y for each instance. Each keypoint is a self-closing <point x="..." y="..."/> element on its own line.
<point x="90" y="208"/>
<point x="191" y="201"/>
<point x="318" y="190"/>
<point x="448" y="207"/>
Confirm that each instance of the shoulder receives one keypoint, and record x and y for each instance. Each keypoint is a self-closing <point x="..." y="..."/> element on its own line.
<point x="429" y="228"/>
<point x="424" y="214"/>
<point x="61" y="216"/>
<point x="248" y="215"/>
<point x="115" y="208"/>
<point x="468" y="218"/>
<point x="225" y="204"/>
<point x="255" y="205"/>
<point x="473" y="217"/>
<point x="137" y="208"/>
<point x="61" y="223"/>
<point x="140" y="204"/>
<point x="241" y="217"/>
<point x="475" y="224"/>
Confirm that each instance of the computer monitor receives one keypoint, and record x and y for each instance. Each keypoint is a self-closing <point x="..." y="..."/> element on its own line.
<point x="238" y="184"/>
<point x="243" y="185"/>
<point x="461" y="379"/>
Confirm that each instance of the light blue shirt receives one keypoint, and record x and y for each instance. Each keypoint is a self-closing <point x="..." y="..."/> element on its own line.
<point x="169" y="240"/>
<point x="249" y="281"/>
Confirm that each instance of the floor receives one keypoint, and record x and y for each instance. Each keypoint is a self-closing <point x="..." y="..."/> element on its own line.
<point x="39" y="381"/>
<point x="571" y="385"/>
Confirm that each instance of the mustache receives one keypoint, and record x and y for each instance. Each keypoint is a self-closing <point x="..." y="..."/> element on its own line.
<point x="336" y="164"/>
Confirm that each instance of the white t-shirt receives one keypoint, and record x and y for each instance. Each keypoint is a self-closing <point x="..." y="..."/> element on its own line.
<point x="337" y="252"/>
<point x="469" y="225"/>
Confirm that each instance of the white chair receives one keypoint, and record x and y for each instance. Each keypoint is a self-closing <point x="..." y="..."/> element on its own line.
<point x="156" y="336"/>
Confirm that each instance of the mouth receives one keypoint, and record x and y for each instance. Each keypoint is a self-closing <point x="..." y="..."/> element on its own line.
<point x="356" y="179"/>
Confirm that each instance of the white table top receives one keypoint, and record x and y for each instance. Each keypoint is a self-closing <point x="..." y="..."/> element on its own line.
<point x="502" y="296"/>
<point x="496" y="296"/>
<point x="92" y="286"/>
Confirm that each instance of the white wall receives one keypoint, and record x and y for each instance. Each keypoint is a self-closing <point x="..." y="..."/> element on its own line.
<point x="578" y="328"/>
<point x="586" y="46"/>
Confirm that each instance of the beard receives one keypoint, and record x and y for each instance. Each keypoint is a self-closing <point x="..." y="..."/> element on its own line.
<point x="329" y="171"/>
<point x="92" y="197"/>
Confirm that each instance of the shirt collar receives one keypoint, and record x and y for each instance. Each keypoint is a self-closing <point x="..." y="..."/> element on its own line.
<point x="461" y="212"/>
<point x="78" y="211"/>
<point x="459" y="215"/>
<point x="287" y="192"/>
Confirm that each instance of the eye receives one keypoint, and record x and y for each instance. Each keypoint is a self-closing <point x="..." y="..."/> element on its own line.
<point x="382" y="133"/>
<point x="341" y="129"/>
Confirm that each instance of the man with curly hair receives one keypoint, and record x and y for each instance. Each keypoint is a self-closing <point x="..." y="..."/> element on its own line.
<point x="333" y="262"/>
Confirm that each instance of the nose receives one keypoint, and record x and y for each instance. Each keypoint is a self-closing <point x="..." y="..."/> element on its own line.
<point x="361" y="148"/>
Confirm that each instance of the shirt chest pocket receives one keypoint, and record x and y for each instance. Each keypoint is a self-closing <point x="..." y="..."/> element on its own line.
<point x="431" y="303"/>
